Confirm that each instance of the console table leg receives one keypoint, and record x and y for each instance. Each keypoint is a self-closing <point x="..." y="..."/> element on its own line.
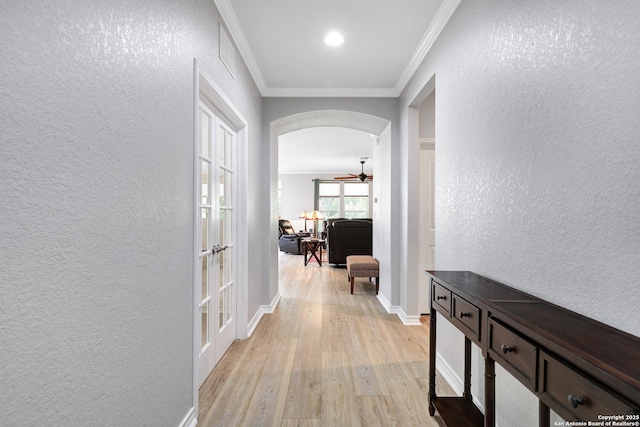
<point x="432" y="361"/>
<point x="489" y="392"/>
<point x="544" y="415"/>
<point x="467" y="370"/>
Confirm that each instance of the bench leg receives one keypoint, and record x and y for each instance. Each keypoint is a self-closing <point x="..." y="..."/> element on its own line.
<point x="352" y="279"/>
<point x="377" y="285"/>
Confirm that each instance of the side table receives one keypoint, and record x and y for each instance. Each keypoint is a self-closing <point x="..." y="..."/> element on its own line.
<point x="310" y="248"/>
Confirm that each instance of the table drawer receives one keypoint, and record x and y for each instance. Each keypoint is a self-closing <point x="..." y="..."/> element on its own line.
<point x="514" y="353"/>
<point x="573" y="395"/>
<point x="441" y="297"/>
<point x="467" y="314"/>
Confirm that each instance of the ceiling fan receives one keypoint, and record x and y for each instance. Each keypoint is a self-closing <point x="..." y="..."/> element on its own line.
<point x="362" y="176"/>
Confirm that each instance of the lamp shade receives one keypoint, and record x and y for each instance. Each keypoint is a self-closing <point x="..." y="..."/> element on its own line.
<point x="304" y="214"/>
<point x="315" y="216"/>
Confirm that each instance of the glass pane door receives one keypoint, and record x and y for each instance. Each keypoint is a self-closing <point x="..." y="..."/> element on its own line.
<point x="206" y="256"/>
<point x="225" y="158"/>
<point x="216" y="230"/>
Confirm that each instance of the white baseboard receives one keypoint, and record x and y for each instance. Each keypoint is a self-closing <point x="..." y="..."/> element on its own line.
<point x="408" y="320"/>
<point x="449" y="375"/>
<point x="386" y="304"/>
<point x="264" y="309"/>
<point x="190" y="420"/>
<point x="398" y="311"/>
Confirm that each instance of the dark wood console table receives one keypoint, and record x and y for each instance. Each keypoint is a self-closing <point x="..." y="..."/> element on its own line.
<point x="580" y="368"/>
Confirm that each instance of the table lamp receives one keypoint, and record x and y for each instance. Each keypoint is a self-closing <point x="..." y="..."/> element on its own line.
<point x="315" y="216"/>
<point x="304" y="215"/>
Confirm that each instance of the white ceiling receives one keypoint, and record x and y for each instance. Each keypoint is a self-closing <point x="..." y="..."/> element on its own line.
<point x="325" y="150"/>
<point x="281" y="41"/>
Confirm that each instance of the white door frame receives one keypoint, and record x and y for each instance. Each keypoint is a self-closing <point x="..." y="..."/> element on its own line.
<point x="427" y="221"/>
<point x="205" y="85"/>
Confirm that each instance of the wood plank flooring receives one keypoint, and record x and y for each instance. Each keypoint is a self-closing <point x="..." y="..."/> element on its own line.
<point x="323" y="358"/>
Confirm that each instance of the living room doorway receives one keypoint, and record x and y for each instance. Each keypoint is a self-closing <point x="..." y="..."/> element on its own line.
<point x="378" y="132"/>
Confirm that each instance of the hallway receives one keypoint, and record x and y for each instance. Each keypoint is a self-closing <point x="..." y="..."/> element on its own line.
<point x="323" y="358"/>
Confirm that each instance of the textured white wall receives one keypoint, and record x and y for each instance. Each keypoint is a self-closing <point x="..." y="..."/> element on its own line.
<point x="538" y="158"/>
<point x="96" y="224"/>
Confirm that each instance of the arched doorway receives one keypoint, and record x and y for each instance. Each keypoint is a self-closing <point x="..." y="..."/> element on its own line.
<point x="373" y="125"/>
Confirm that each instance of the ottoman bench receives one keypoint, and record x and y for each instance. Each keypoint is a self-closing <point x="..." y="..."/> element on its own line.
<point x="363" y="266"/>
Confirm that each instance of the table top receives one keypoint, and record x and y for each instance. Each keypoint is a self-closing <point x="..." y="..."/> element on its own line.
<point x="313" y="240"/>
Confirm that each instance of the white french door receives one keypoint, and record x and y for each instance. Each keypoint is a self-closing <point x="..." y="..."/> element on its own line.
<point x="216" y="248"/>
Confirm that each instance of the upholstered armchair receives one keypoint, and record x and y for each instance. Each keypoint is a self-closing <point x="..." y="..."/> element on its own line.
<point x="289" y="241"/>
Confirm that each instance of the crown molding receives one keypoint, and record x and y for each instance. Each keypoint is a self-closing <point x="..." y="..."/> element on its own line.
<point x="446" y="9"/>
<point x="430" y="36"/>
<point x="311" y="92"/>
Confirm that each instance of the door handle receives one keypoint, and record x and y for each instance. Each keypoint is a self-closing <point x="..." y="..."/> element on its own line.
<point x="218" y="248"/>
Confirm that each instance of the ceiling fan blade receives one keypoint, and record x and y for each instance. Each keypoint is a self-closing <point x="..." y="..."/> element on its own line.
<point x="344" y="177"/>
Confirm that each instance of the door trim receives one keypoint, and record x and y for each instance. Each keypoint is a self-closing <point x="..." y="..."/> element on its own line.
<point x="205" y="85"/>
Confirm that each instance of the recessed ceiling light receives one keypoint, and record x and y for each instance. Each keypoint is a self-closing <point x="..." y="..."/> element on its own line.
<point x="334" y="39"/>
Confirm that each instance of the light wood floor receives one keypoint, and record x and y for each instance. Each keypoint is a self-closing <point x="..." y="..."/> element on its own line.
<point x="323" y="358"/>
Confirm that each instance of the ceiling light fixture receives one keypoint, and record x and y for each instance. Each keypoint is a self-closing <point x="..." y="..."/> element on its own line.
<point x="334" y="39"/>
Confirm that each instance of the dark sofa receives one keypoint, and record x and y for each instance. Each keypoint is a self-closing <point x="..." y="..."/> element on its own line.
<point x="348" y="237"/>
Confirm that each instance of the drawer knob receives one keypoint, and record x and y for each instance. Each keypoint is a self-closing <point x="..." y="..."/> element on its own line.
<point x="439" y="297"/>
<point x="575" y="401"/>
<point x="463" y="314"/>
<point x="506" y="349"/>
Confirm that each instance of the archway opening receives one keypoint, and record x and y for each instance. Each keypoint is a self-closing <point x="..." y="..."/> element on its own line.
<point x="379" y="129"/>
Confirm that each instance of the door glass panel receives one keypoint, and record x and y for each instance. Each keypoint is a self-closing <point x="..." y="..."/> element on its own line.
<point x="225" y="227"/>
<point x="222" y="199"/>
<point x="221" y="228"/>
<point x="228" y="150"/>
<point x="220" y="136"/>
<point x="221" y="314"/>
<point x="227" y="304"/>
<point x="205" y="326"/>
<point x="206" y="135"/>
<point x="205" y="182"/>
<point x="221" y="260"/>
<point x="227" y="266"/>
<point x="205" y="277"/>
<point x="228" y="190"/>
<point x="205" y="229"/>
